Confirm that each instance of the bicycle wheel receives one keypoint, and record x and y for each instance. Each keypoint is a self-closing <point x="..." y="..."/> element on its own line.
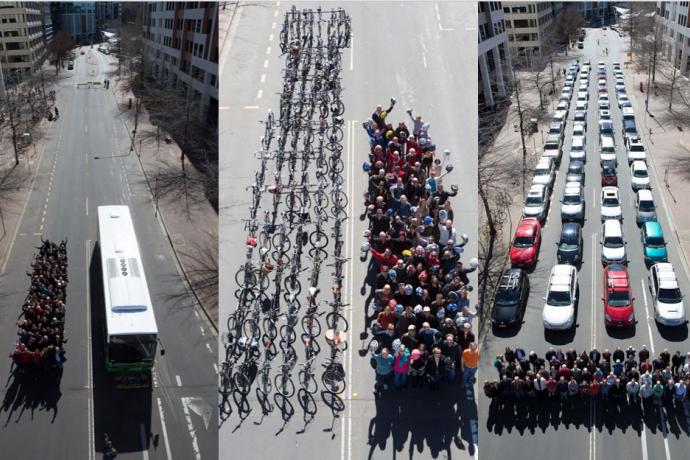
<point x="264" y="384"/>
<point x="293" y="285"/>
<point x="242" y="382"/>
<point x="334" y="319"/>
<point x="339" y="199"/>
<point x="335" y="134"/>
<point x="288" y="334"/>
<point x="336" y="165"/>
<point x="307" y="381"/>
<point x="270" y="329"/>
<point x="284" y="386"/>
<point x="333" y="381"/>
<point x="333" y="401"/>
<point x="311" y="325"/>
<point x="287" y="244"/>
<point x="250" y="328"/>
<point x="313" y="252"/>
<point x="265" y="240"/>
<point x="318" y="239"/>
<point x="337" y="108"/>
<point x="244" y="279"/>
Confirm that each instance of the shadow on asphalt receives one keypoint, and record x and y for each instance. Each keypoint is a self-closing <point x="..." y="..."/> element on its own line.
<point x="29" y="390"/>
<point x="673" y="334"/>
<point x="124" y="414"/>
<point x="540" y="414"/>
<point x="622" y="333"/>
<point x="441" y="421"/>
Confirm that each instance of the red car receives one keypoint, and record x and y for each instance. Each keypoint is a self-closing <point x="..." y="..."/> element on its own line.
<point x="619" y="310"/>
<point x="525" y="246"/>
<point x="609" y="177"/>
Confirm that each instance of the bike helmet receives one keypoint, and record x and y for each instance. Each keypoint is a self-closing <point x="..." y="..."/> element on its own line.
<point x="366" y="166"/>
<point x="263" y="251"/>
<point x="408" y="289"/>
<point x="366" y="233"/>
<point x="268" y="266"/>
<point x="446" y="152"/>
<point x="418" y="309"/>
<point x="396" y="344"/>
<point x="392" y="273"/>
<point x="251" y="241"/>
<point x="364" y="247"/>
<point x="465" y="238"/>
<point x="389" y="212"/>
<point x="373" y="346"/>
<point x="419" y="291"/>
<point x="254" y="344"/>
<point x="399" y="309"/>
<point x="242" y="343"/>
<point x="428" y="220"/>
<point x="452" y="307"/>
<point x="474" y="262"/>
<point x="272" y="189"/>
<point x="441" y="313"/>
<point x="406" y="253"/>
<point x="449" y="167"/>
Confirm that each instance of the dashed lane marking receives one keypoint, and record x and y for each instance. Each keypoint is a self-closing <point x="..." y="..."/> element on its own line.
<point x="251" y="107"/>
<point x="268" y="50"/>
<point x="178" y="380"/>
<point x="266" y="64"/>
<point x="259" y="94"/>
<point x="270" y="37"/>
<point x="263" y="77"/>
<point x="164" y="428"/>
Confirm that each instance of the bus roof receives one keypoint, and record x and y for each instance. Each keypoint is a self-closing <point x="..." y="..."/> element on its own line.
<point x="128" y="308"/>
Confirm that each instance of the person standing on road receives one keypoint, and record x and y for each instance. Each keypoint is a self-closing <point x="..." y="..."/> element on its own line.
<point x="633" y="389"/>
<point x="379" y="115"/>
<point x="401" y="367"/>
<point x="435" y="367"/>
<point x="384" y="369"/>
<point x="470" y="364"/>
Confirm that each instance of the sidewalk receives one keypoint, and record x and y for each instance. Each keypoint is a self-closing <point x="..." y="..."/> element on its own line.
<point x="188" y="217"/>
<point x="667" y="146"/>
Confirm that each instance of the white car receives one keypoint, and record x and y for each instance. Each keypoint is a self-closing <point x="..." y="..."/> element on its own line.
<point x="544" y="173"/>
<point x="601" y="82"/>
<point x="567" y="91"/>
<point x="579" y="128"/>
<point x="613" y="246"/>
<point x="620" y="86"/>
<point x="561" y="295"/>
<point x="623" y="101"/>
<point x="583" y="95"/>
<point x="668" y="300"/>
<point x="582" y="87"/>
<point x="636" y="150"/>
<point x="604" y="114"/>
<point x="639" y="175"/>
<point x="573" y="202"/>
<point x="578" y="147"/>
<point x="608" y="151"/>
<point x="610" y="203"/>
<point x="536" y="202"/>
<point x="562" y="107"/>
<point x="604" y="103"/>
<point x="581" y="105"/>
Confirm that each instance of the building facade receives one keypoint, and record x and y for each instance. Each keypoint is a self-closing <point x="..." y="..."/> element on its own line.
<point x="106" y="12"/>
<point x="47" y="23"/>
<point x="592" y="11"/>
<point x="672" y="23"/>
<point x="495" y="66"/>
<point x="528" y="24"/>
<point x="181" y="45"/>
<point x="22" y="44"/>
<point x="78" y="19"/>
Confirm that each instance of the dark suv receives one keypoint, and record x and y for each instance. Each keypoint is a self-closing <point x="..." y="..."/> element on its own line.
<point x="511" y="298"/>
<point x="570" y="244"/>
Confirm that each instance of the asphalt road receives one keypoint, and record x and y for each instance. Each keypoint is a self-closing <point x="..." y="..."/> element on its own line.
<point x="406" y="50"/>
<point x="590" y="433"/>
<point x="70" y="418"/>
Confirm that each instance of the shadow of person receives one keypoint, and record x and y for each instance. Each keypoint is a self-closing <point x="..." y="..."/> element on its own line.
<point x="32" y="389"/>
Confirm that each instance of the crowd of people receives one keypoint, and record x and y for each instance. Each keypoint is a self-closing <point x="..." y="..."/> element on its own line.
<point x="619" y="376"/>
<point x="40" y="342"/>
<point x="420" y="311"/>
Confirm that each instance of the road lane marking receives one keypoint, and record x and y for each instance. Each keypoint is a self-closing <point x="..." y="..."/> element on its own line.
<point x="190" y="428"/>
<point x="643" y="437"/>
<point x="266" y="64"/>
<point x="646" y="309"/>
<point x="208" y="347"/>
<point x="352" y="287"/>
<point x="87" y="205"/>
<point x="424" y="60"/>
<point x="201" y="328"/>
<point x="273" y="25"/>
<point x="215" y="368"/>
<point x="223" y="107"/>
<point x="259" y="94"/>
<point x="144" y="442"/>
<point x="275" y="13"/>
<point x="593" y="315"/>
<point x="352" y="52"/>
<point x="270" y="37"/>
<point x="268" y="50"/>
<point x="251" y="107"/>
<point x="164" y="429"/>
<point x="594" y="198"/>
<point x="178" y="380"/>
<point x="438" y="16"/>
<point x="263" y="77"/>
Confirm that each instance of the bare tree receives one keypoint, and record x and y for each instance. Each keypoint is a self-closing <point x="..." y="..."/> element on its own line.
<point x="60" y="48"/>
<point x="203" y="276"/>
<point x="568" y="25"/>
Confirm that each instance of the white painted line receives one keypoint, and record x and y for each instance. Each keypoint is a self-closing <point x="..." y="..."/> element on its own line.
<point x="215" y="368"/>
<point x="643" y="436"/>
<point x="593" y="314"/>
<point x="190" y="427"/>
<point x="351" y="255"/>
<point x="143" y="436"/>
<point x="196" y="313"/>
<point x="268" y="50"/>
<point x="263" y="77"/>
<point x="273" y="25"/>
<point x="178" y="380"/>
<point x="89" y="363"/>
<point x="259" y="94"/>
<point x="424" y="60"/>
<point x="87" y="205"/>
<point x="208" y="347"/>
<point x="164" y="428"/>
<point x="266" y="64"/>
<point x="223" y="107"/>
<point x="251" y="107"/>
<point x="270" y="37"/>
<point x="594" y="199"/>
<point x="646" y="309"/>
<point x="201" y="328"/>
<point x="352" y="53"/>
<point x="275" y="14"/>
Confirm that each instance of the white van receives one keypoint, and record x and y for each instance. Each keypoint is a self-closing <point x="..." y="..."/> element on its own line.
<point x="608" y="152"/>
<point x="613" y="246"/>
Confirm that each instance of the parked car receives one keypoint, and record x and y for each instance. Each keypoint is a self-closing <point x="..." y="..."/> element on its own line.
<point x="524" y="249"/>
<point x="613" y="245"/>
<point x="561" y="297"/>
<point x="666" y="295"/>
<point x="544" y="172"/>
<point x="619" y="310"/>
<point x="636" y="150"/>
<point x="610" y="204"/>
<point x="653" y="243"/>
<point x="510" y="300"/>
<point x="608" y="176"/>
<point x="576" y="172"/>
<point x="577" y="146"/>
<point x="573" y="203"/>
<point x="644" y="206"/>
<point x="639" y="175"/>
<point x="570" y="244"/>
<point x="537" y="203"/>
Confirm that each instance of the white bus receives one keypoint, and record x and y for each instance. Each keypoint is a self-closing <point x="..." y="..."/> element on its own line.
<point x="131" y="334"/>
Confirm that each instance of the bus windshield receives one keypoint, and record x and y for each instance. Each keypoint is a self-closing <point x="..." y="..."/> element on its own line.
<point x="133" y="348"/>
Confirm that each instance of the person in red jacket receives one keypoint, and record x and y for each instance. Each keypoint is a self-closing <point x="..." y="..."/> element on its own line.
<point x="386" y="257"/>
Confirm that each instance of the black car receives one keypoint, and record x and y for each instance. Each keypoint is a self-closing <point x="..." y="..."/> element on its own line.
<point x="576" y="172"/>
<point x="570" y="244"/>
<point x="511" y="298"/>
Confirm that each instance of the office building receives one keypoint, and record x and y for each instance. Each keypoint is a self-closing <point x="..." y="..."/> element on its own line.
<point x="495" y="66"/>
<point x="528" y="25"/>
<point x="672" y="23"/>
<point x="22" y="45"/>
<point x="78" y="19"/>
<point x="181" y="45"/>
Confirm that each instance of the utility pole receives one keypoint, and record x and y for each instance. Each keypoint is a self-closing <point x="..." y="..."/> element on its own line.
<point x="522" y="131"/>
<point x="654" y="51"/>
<point x="673" y="83"/>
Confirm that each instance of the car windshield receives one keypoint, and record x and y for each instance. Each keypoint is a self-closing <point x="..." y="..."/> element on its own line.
<point x="523" y="241"/>
<point x="669" y="295"/>
<point x="610" y="202"/>
<point x="606" y="127"/>
<point x="655" y="241"/>
<point x="613" y="242"/>
<point x="572" y="199"/>
<point x="505" y="298"/>
<point x="641" y="173"/>
<point x="567" y="245"/>
<point x="646" y="206"/>
<point x="533" y="200"/>
<point x="558" y="298"/>
<point x="619" y="298"/>
<point x="576" y="148"/>
<point x="542" y="172"/>
<point x="637" y="148"/>
<point x="555" y="130"/>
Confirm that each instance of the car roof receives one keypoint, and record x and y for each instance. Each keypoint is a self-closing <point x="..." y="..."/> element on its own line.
<point x="666" y="275"/>
<point x="639" y="164"/>
<point x="645" y="195"/>
<point x="536" y="189"/>
<point x="526" y="228"/>
<point x="617" y="277"/>
<point x="570" y="228"/>
<point x="653" y="228"/>
<point x="612" y="227"/>
<point x="609" y="191"/>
